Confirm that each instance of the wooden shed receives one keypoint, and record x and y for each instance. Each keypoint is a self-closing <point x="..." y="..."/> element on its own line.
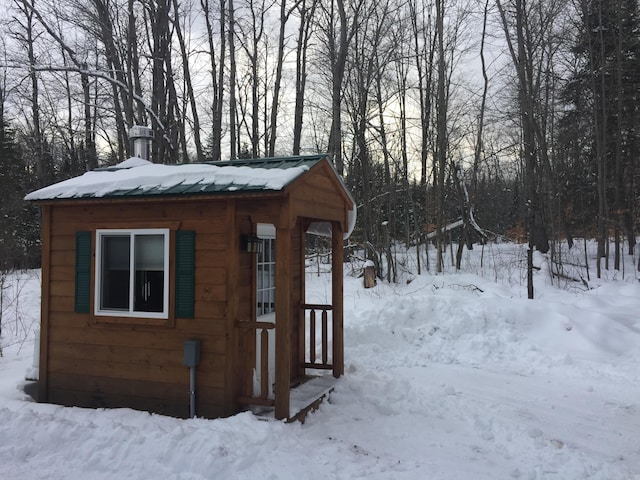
<point x="145" y="265"/>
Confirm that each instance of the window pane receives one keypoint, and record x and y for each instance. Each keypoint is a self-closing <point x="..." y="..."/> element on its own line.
<point x="149" y="273"/>
<point x="259" y="309"/>
<point x="149" y="252"/>
<point x="115" y="272"/>
<point x="266" y="276"/>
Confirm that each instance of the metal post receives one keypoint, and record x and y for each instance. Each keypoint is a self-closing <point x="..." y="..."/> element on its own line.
<point x="192" y="392"/>
<point x="191" y="360"/>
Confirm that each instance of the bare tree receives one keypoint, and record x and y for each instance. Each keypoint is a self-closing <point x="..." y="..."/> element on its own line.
<point x="339" y="32"/>
<point x="306" y="12"/>
<point x="189" y="84"/>
<point x="528" y="31"/>
<point x="251" y="33"/>
<point x="424" y="44"/>
<point x="217" y="72"/>
<point x="26" y="36"/>
<point x="441" y="150"/>
<point x="233" y="152"/>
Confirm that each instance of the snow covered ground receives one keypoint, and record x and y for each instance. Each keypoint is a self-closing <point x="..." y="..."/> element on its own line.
<point x="452" y="376"/>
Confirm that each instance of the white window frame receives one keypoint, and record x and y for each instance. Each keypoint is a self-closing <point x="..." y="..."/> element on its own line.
<point x="267" y="233"/>
<point x="131" y="313"/>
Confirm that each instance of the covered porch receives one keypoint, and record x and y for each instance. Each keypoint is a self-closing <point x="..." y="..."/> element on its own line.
<point x="296" y="358"/>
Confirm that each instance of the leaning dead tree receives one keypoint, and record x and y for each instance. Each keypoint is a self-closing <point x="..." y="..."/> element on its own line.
<point x="470" y="227"/>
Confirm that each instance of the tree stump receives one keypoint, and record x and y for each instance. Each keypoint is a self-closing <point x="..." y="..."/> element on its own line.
<point x="369" y="274"/>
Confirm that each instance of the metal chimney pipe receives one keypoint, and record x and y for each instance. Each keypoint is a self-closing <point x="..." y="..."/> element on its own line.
<point x="141" y="138"/>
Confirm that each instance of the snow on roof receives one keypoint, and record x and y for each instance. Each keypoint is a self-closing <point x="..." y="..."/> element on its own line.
<point x="138" y="177"/>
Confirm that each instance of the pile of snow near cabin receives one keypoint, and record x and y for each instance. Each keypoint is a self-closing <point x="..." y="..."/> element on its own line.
<point x="448" y="376"/>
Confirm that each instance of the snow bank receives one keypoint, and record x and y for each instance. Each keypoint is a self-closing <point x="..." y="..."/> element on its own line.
<point x="452" y="376"/>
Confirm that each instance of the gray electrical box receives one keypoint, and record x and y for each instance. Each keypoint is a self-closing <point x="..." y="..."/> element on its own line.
<point x="191" y="353"/>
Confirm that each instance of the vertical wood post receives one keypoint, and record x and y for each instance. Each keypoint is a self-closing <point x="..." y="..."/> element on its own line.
<point x="325" y="337"/>
<point x="312" y="336"/>
<point x="233" y="364"/>
<point x="283" y="322"/>
<point x="264" y="364"/>
<point x="302" y="321"/>
<point x="43" y="374"/>
<point x="337" y="260"/>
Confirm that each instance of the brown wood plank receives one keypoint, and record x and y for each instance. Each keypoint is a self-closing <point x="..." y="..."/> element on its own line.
<point x="232" y="370"/>
<point x="43" y="383"/>
<point x="264" y="211"/>
<point x="207" y="275"/>
<point x="61" y="304"/>
<point x="312" y="336"/>
<point x="206" y="326"/>
<point x="337" y="258"/>
<point x="63" y="258"/>
<point x="325" y="171"/>
<point x="301" y="286"/>
<point x="61" y="288"/>
<point x="325" y="337"/>
<point x="320" y="182"/>
<point x="63" y="243"/>
<point x="209" y="258"/>
<point x="210" y="292"/>
<point x="324" y="189"/>
<point x="65" y="273"/>
<point x="168" y="339"/>
<point x="211" y="240"/>
<point x="283" y="328"/>
<point x="245" y="354"/>
<point x="264" y="363"/>
<point x="297" y="246"/>
<point x="149" y="341"/>
<point x="173" y="372"/>
<point x="209" y="311"/>
<point x="316" y="306"/>
<point x="318" y="211"/>
<point x="160" y="397"/>
<point x="188" y="326"/>
<point x="133" y="355"/>
<point x="140" y="214"/>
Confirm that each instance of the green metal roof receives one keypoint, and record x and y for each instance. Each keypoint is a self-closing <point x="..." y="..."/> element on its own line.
<point x="274" y="162"/>
<point x="136" y="177"/>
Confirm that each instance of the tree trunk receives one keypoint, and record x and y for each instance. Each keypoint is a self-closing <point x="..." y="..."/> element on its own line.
<point x="232" y="83"/>
<point x="187" y="78"/>
<point x="441" y="136"/>
<point x="304" y="33"/>
<point x="275" y="105"/>
<point x="337" y="71"/>
<point x="217" y="76"/>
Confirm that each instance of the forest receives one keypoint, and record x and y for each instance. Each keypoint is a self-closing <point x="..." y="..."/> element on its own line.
<point x="512" y="120"/>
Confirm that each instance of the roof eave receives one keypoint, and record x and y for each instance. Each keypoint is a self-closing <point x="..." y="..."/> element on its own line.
<point x="159" y="197"/>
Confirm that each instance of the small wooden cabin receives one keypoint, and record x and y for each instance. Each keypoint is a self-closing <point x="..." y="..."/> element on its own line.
<point x="143" y="263"/>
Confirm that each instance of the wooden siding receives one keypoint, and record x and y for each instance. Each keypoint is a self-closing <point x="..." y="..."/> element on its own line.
<point x="297" y="297"/>
<point x="87" y="361"/>
<point x="45" y="303"/>
<point x="319" y="196"/>
<point x="93" y="364"/>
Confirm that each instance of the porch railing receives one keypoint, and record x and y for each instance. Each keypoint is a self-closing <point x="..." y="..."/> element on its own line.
<point x="312" y="360"/>
<point x="316" y="322"/>
<point x="262" y="333"/>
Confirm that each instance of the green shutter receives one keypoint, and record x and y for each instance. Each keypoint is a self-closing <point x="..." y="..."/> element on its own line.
<point x="185" y="273"/>
<point x="83" y="272"/>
